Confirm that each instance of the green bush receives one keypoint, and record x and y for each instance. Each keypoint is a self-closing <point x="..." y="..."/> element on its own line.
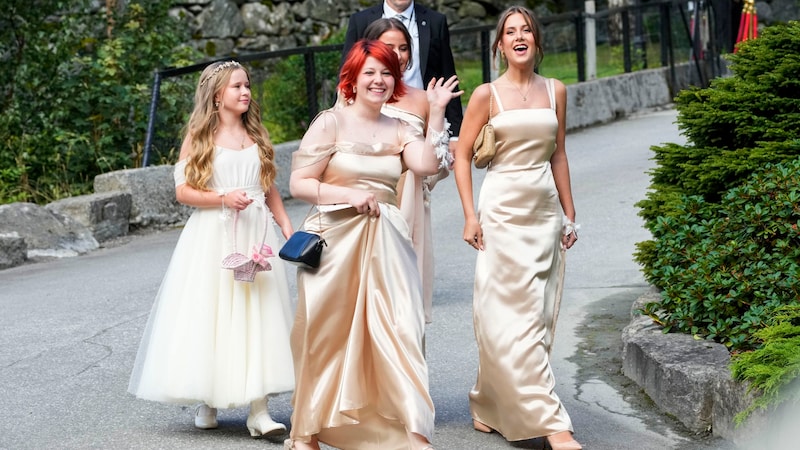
<point x="734" y="127"/>
<point x="725" y="267"/>
<point x="773" y="369"/>
<point x="283" y="96"/>
<point x="76" y="86"/>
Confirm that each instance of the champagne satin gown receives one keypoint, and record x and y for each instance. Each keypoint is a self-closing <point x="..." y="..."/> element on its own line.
<point x="518" y="278"/>
<point x="414" y="196"/>
<point x="361" y="378"/>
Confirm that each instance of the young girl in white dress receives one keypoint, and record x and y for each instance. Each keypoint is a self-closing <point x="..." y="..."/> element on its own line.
<point x="211" y="338"/>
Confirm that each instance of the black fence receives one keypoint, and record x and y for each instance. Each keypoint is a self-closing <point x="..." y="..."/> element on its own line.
<point x="675" y="30"/>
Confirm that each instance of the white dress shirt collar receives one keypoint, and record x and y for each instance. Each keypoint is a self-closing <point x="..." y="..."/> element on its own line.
<point x="389" y="12"/>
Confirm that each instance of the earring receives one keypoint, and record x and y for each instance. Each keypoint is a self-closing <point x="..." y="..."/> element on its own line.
<point x="216" y="104"/>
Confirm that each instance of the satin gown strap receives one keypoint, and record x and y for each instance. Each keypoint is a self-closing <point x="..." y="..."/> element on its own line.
<point x="335" y="124"/>
<point x="496" y="99"/>
<point x="551" y="92"/>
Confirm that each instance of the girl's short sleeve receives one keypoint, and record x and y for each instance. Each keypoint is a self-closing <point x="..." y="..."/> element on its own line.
<point x="179" y="173"/>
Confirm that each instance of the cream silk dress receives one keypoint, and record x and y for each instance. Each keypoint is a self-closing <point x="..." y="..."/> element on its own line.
<point x="415" y="205"/>
<point x="518" y="278"/>
<point x="361" y="378"/>
<point x="210" y="338"/>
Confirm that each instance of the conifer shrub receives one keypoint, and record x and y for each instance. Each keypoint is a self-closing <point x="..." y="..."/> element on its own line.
<point x="773" y="369"/>
<point x="733" y="127"/>
<point x="724" y="213"/>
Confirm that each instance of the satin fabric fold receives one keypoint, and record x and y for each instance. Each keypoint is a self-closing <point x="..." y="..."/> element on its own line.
<point x="361" y="378"/>
<point x="518" y="279"/>
<point x="415" y="205"/>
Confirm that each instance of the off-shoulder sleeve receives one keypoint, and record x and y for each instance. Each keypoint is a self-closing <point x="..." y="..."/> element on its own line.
<point x="409" y="133"/>
<point x="318" y="143"/>
<point x="308" y="155"/>
<point x="179" y="172"/>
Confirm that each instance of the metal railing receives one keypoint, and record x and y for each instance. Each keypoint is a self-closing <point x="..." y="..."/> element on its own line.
<point x="631" y="39"/>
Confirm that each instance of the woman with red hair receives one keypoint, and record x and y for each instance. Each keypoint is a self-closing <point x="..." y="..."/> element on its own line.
<point x="361" y="378"/>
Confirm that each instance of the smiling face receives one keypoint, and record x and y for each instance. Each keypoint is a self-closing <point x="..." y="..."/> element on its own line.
<point x="518" y="25"/>
<point x="396" y="40"/>
<point x="235" y="95"/>
<point x="517" y="43"/>
<point x="375" y="82"/>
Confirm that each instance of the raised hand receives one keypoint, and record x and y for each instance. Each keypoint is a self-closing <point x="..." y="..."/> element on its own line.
<point x="440" y="92"/>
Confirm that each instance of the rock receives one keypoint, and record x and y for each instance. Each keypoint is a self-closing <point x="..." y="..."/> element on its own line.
<point x="13" y="250"/>
<point x="283" y="163"/>
<point x="221" y="19"/>
<point x="106" y="214"/>
<point x="46" y="233"/>
<point x="676" y="371"/>
<point x="152" y="191"/>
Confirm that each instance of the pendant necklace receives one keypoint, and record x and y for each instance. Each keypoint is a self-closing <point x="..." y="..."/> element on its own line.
<point x="244" y="136"/>
<point x="525" y="95"/>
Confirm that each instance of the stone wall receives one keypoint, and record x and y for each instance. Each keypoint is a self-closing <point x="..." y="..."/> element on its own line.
<point x="224" y="27"/>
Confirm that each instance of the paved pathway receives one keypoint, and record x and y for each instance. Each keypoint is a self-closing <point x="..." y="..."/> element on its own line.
<point x="71" y="327"/>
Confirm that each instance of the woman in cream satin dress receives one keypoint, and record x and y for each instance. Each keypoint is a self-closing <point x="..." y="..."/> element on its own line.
<point x="414" y="191"/>
<point x="361" y="379"/>
<point x="520" y="236"/>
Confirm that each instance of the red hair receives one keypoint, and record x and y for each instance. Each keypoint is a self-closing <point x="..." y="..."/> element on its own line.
<point x="355" y="60"/>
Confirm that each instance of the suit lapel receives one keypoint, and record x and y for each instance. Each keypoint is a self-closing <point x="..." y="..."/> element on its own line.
<point x="424" y="28"/>
<point x="375" y="13"/>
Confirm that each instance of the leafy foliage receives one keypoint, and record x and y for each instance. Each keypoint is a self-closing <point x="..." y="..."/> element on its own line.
<point x="735" y="126"/>
<point x="773" y="369"/>
<point x="724" y="212"/>
<point x="76" y="85"/>
<point x="724" y="267"/>
<point x="283" y="94"/>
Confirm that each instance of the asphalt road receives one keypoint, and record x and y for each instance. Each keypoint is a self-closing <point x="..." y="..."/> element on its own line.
<point x="71" y="327"/>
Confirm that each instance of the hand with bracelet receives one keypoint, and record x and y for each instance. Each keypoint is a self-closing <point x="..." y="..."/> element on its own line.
<point x="570" y="234"/>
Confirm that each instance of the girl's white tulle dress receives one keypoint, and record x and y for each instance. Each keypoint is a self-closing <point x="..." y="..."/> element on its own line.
<point x="210" y="338"/>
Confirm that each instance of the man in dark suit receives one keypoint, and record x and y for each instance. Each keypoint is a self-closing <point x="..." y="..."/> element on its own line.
<point x="431" y="56"/>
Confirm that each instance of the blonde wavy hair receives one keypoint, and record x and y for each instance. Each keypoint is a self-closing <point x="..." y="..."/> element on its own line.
<point x="204" y="121"/>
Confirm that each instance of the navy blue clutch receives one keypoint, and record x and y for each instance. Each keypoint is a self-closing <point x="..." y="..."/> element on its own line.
<point x="303" y="249"/>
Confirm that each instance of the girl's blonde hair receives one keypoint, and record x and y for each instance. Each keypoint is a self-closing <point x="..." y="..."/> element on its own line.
<point x="205" y="120"/>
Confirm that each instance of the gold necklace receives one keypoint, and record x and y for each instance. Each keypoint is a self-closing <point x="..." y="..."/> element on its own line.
<point x="244" y="136"/>
<point x="525" y="95"/>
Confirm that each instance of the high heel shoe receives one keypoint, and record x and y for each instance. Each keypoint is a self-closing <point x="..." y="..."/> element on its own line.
<point x="259" y="422"/>
<point x="572" y="444"/>
<point x="205" y="417"/>
<point x="289" y="445"/>
<point x="480" y="426"/>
